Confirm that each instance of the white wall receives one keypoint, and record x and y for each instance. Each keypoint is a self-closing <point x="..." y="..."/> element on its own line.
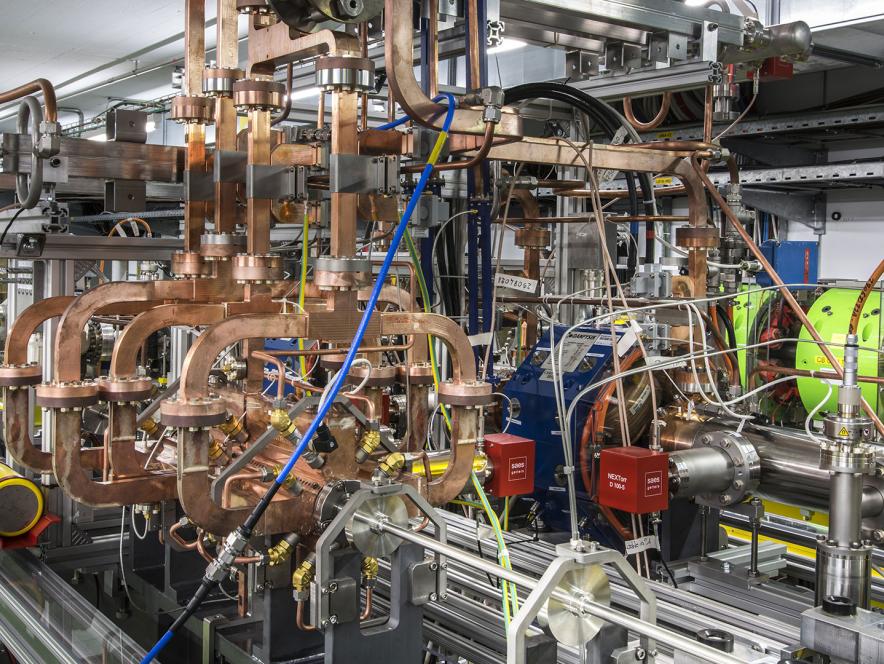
<point x="853" y="245"/>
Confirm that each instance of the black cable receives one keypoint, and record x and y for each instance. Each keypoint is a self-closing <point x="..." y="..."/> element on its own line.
<point x="662" y="559"/>
<point x="728" y="326"/>
<point x="9" y="225"/>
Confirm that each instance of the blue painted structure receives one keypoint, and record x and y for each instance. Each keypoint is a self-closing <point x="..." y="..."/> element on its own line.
<point x="586" y="361"/>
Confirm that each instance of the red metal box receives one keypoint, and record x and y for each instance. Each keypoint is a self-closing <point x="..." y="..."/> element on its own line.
<point x="512" y="461"/>
<point x="634" y="479"/>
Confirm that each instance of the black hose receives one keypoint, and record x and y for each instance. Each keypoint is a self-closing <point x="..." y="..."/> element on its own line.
<point x="608" y="120"/>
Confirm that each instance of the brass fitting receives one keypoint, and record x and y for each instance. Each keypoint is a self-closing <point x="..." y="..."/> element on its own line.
<point x="280" y="420"/>
<point x="281" y="551"/>
<point x="369" y="569"/>
<point x="150" y="426"/>
<point x="392" y="464"/>
<point x="371" y="440"/>
<point x="303" y="576"/>
<point x="215" y="450"/>
<point x="290" y="482"/>
<point x="232" y="428"/>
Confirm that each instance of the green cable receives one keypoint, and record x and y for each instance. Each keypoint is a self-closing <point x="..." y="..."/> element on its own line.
<point x="503" y="554"/>
<point x="305" y="233"/>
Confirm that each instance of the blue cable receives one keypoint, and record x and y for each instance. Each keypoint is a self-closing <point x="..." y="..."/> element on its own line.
<point x="338" y="381"/>
<point x="405" y="118"/>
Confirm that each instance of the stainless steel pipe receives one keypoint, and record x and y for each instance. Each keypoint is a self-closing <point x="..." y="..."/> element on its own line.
<point x="586" y="605"/>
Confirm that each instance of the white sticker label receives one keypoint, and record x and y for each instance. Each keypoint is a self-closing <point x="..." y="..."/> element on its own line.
<point x="481" y="339"/>
<point x="523" y="284"/>
<point x="574" y="349"/>
<point x="641" y="544"/>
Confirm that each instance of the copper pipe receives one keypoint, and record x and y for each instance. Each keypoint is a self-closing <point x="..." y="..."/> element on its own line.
<point x="50" y="112"/>
<point x="475" y="160"/>
<point x="340" y="350"/>
<point x="299" y="619"/>
<point x="864" y="296"/>
<point x="708" y="104"/>
<point x="287" y="106"/>
<point x="280" y="368"/>
<point x="173" y="534"/>
<point x="433" y="48"/>
<point x="366" y="613"/>
<point x="363" y="98"/>
<point x="655" y="122"/>
<point x="238" y="477"/>
<point x="803" y="373"/>
<point x="405" y="89"/>
<point x="370" y="412"/>
<point x="775" y="277"/>
<point x="583" y="219"/>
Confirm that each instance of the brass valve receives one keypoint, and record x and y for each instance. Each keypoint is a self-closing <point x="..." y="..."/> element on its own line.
<point x="282" y="551"/>
<point x="302" y="577"/>
<point x="371" y="440"/>
<point x="391" y="464"/>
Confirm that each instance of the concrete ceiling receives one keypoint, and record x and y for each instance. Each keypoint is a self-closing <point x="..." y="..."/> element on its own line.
<point x="96" y="50"/>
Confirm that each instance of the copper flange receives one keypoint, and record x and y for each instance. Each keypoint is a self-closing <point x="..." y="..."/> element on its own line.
<point x="202" y="412"/>
<point x="123" y="390"/>
<point x="20" y="375"/>
<point x="473" y="393"/>
<point x="189" y="109"/>
<point x="251" y="94"/>
<point x="257" y="268"/>
<point x="420" y="373"/>
<point x="384" y="376"/>
<point x="190" y="265"/>
<point x="76" y="394"/>
<point x="218" y="81"/>
<point x="696" y="237"/>
<point x="532" y="238"/>
<point x="221" y="246"/>
<point x="332" y="362"/>
<point x="341" y="72"/>
<point x="335" y="272"/>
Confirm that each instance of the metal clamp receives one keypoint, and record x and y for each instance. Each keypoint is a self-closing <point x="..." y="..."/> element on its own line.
<point x="568" y="561"/>
<point x="276" y="182"/>
<point x="321" y="608"/>
<point x="363" y="174"/>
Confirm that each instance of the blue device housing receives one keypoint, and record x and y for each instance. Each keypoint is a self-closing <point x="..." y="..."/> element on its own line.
<point x="797" y="262"/>
<point x="586" y="362"/>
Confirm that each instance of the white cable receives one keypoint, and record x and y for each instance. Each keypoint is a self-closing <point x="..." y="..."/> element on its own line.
<point x="436" y="278"/>
<point x="677" y="361"/>
<point x="133" y="529"/>
<point x="815" y="410"/>
<point x="509" y="418"/>
<point x="122" y="566"/>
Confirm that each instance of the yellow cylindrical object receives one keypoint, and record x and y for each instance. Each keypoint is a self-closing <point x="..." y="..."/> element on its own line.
<point x="439" y="466"/>
<point x="22" y="503"/>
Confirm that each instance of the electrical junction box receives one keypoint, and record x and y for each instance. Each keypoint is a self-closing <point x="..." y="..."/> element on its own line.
<point x="512" y="463"/>
<point x="634" y="479"/>
<point x="796" y="262"/>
